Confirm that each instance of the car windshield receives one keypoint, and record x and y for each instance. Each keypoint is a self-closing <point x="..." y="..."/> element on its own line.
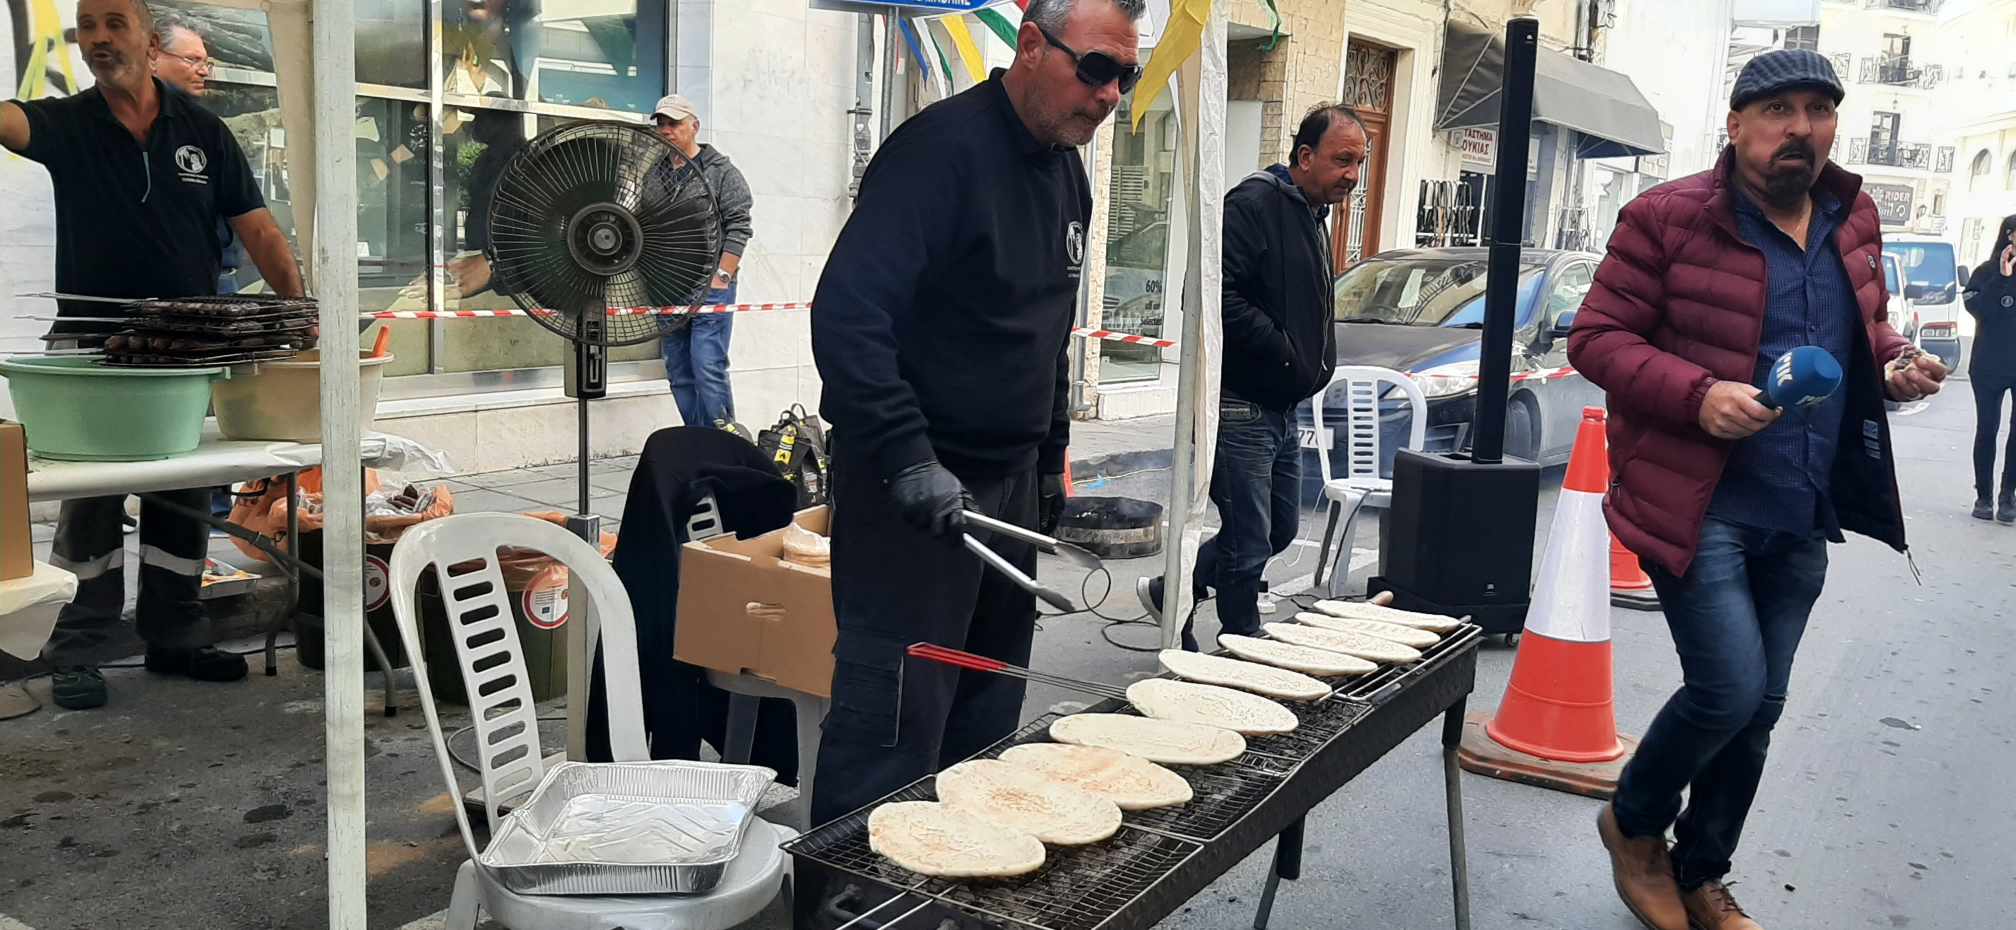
<point x="1928" y="267"/>
<point x="1423" y="292"/>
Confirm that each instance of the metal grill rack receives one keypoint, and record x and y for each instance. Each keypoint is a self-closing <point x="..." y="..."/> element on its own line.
<point x="1161" y="859"/>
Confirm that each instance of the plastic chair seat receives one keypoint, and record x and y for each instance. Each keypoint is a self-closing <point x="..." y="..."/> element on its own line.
<point x="744" y="692"/>
<point x="750" y="883"/>
<point x="1365" y="389"/>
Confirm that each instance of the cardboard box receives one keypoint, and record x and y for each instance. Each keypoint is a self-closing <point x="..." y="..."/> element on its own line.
<point x="789" y="642"/>
<point x="17" y="558"/>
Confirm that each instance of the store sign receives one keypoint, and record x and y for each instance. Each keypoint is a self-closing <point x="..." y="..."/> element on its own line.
<point x="1479" y="148"/>
<point x="1893" y="202"/>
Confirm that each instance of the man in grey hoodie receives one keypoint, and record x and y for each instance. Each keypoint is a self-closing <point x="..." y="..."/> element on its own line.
<point x="696" y="347"/>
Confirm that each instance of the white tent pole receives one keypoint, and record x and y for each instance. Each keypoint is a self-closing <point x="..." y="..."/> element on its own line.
<point x="335" y="260"/>
<point x="1201" y="91"/>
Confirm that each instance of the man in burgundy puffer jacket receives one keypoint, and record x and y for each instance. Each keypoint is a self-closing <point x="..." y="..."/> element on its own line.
<point x="1708" y="280"/>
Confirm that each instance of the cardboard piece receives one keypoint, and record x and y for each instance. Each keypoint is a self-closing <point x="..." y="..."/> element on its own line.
<point x="17" y="558"/>
<point x="787" y="640"/>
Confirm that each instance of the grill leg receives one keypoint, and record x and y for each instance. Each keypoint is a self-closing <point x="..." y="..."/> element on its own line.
<point x="1287" y="864"/>
<point x="1452" y="775"/>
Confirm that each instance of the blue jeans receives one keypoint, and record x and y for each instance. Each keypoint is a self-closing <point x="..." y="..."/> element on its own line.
<point x="696" y="363"/>
<point x="1256" y="482"/>
<point x="1736" y="618"/>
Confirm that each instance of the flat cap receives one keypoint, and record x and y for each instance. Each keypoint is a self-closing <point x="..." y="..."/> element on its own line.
<point x="1782" y="70"/>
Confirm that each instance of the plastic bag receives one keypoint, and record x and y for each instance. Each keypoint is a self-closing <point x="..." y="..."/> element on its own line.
<point x="540" y="582"/>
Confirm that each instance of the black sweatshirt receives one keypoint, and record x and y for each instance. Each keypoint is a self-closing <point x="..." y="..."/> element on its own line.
<point x="942" y="323"/>
<point x="1280" y="346"/>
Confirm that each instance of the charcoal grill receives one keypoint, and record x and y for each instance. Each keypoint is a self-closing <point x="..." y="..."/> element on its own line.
<point x="1162" y="858"/>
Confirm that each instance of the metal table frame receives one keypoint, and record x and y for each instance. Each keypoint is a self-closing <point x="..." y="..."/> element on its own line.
<point x="284" y="461"/>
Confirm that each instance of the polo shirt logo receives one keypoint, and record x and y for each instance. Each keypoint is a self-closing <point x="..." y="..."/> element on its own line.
<point x="1074" y="242"/>
<point x="190" y="161"/>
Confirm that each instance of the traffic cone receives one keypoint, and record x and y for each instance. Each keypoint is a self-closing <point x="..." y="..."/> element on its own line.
<point x="1556" y="726"/>
<point x="1630" y="587"/>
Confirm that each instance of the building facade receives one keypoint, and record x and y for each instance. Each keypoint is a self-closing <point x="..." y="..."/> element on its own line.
<point x="1980" y="119"/>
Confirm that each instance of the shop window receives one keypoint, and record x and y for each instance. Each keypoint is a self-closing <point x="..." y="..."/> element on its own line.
<point x="1137" y="240"/>
<point x="391" y="39"/>
<point x="593" y="54"/>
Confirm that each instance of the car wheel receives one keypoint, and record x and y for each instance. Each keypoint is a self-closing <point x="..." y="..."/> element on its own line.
<point x="1522" y="429"/>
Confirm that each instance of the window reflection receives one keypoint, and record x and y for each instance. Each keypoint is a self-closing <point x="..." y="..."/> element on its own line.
<point x="595" y="53"/>
<point x="1137" y="240"/>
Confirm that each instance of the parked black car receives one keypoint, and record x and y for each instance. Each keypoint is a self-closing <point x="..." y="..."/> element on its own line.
<point x="1421" y="311"/>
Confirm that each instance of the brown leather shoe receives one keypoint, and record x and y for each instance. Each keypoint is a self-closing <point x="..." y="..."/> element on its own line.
<point x="1643" y="874"/>
<point x="1712" y="907"/>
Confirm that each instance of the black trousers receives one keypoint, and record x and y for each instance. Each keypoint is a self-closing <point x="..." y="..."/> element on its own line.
<point x="894" y="721"/>
<point x="91" y="543"/>
<point x="1988" y="391"/>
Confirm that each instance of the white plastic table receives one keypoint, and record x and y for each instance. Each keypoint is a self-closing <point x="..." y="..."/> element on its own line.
<point x="215" y="461"/>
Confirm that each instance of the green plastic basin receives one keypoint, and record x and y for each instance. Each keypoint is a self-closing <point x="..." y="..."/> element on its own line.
<point x="81" y="410"/>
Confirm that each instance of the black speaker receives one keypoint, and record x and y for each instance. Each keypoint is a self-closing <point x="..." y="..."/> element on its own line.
<point x="1459" y="538"/>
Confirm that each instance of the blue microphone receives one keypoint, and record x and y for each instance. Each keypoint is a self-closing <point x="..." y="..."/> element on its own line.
<point x="1804" y="377"/>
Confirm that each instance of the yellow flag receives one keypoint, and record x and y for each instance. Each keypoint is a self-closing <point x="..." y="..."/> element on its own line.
<point x="962" y="39"/>
<point x="1182" y="39"/>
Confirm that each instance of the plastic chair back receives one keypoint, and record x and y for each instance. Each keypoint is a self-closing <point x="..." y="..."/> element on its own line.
<point x="462" y="551"/>
<point x="1364" y="386"/>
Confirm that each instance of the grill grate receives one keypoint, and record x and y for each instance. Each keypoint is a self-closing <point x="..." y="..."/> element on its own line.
<point x="1379" y="686"/>
<point x="1221" y="794"/>
<point x="1078" y="888"/>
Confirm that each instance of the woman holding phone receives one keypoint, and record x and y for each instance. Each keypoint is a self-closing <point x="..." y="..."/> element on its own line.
<point x="1991" y="298"/>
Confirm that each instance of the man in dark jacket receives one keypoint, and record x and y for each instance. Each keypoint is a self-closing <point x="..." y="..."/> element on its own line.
<point x="1708" y="280"/>
<point x="1280" y="348"/>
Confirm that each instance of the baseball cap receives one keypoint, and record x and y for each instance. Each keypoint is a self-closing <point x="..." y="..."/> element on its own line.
<point x="675" y="108"/>
<point x="1784" y="69"/>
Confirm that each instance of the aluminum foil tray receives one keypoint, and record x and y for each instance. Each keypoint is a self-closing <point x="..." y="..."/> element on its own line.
<point x="627" y="828"/>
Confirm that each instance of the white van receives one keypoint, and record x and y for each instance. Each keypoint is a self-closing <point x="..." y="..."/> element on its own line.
<point x="1931" y="278"/>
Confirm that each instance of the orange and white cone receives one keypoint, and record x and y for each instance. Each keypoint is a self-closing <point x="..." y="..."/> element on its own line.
<point x="1629" y="585"/>
<point x="1557" y="726"/>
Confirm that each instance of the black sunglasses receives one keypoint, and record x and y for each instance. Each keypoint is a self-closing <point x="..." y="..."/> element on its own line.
<point x="1097" y="69"/>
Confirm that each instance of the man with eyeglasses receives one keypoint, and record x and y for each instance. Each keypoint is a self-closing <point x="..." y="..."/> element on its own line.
<point x="942" y="337"/>
<point x="184" y="61"/>
<point x="141" y="175"/>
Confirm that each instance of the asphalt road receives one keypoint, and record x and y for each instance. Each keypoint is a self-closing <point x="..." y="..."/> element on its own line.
<point x="1885" y="804"/>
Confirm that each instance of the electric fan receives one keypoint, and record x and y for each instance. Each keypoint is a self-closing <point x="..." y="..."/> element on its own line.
<point x="593" y="225"/>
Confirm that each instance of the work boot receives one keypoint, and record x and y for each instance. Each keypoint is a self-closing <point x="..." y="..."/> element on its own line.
<point x="78" y="687"/>
<point x="1984" y="508"/>
<point x="203" y="664"/>
<point x="2005" y="509"/>
<point x="1712" y="907"/>
<point x="1643" y="873"/>
<point x="1149" y="590"/>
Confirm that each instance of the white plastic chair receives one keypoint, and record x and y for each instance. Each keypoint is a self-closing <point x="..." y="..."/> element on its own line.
<point x="1360" y="486"/>
<point x="507" y="727"/>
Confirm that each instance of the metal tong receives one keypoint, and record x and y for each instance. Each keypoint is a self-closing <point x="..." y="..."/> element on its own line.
<point x="994" y="560"/>
<point x="945" y="655"/>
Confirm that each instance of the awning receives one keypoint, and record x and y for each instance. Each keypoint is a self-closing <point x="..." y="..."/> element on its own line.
<point x="1613" y="118"/>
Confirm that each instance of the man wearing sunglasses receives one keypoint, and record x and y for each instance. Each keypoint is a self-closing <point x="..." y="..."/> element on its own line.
<point x="942" y="339"/>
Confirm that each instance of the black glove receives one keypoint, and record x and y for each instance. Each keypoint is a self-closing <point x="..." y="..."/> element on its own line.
<point x="1050" y="495"/>
<point x="930" y="498"/>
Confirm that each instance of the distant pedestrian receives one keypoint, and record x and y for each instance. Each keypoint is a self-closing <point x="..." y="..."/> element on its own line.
<point x="185" y="62"/>
<point x="1280" y="349"/>
<point x="1991" y="298"/>
<point x="1708" y="280"/>
<point x="696" y="347"/>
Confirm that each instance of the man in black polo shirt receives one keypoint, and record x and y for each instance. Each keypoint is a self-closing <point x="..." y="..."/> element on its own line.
<point x="942" y="337"/>
<point x="141" y="175"/>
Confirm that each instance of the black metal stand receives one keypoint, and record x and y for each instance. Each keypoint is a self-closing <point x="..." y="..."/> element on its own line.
<point x="1288" y="845"/>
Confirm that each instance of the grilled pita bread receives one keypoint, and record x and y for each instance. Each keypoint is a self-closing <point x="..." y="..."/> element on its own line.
<point x="1246" y="676"/>
<point x="1133" y="784"/>
<point x="1384" y="651"/>
<point x="933" y="839"/>
<point x="1210" y="705"/>
<point x="1360" y="610"/>
<point x="1299" y="658"/>
<point x="1404" y="635"/>
<point x="1027" y="801"/>
<point x="1163" y="741"/>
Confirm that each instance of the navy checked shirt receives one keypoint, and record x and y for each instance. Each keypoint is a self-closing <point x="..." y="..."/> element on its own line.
<point x="1779" y="478"/>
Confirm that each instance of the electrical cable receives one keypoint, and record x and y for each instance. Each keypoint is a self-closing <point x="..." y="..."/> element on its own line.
<point x="452" y="737"/>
